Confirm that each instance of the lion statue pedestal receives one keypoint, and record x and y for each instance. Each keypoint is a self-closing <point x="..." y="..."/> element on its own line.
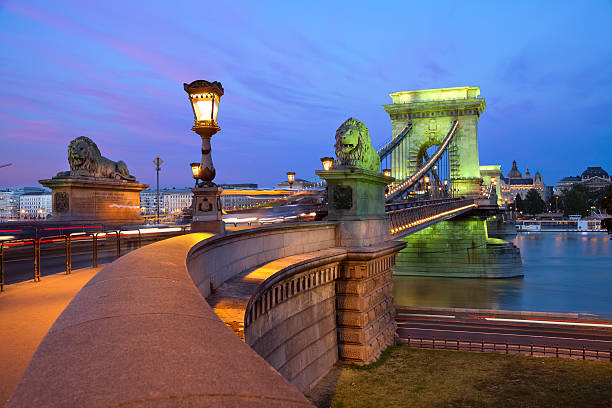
<point x="96" y="189"/>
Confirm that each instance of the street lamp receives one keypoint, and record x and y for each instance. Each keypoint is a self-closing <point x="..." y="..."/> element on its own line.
<point x="204" y="98"/>
<point x="195" y="170"/>
<point x="327" y="162"/>
<point x="387" y="172"/>
<point x="158" y="162"/>
<point x="290" y="178"/>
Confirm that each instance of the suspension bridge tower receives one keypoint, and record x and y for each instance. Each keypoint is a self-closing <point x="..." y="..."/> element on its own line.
<point x="423" y="118"/>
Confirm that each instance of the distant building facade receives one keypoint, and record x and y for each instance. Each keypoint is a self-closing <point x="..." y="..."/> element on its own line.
<point x="233" y="197"/>
<point x="301" y="184"/>
<point x="594" y="178"/>
<point x="12" y="207"/>
<point x="171" y="200"/>
<point x="514" y="183"/>
<point x="35" y="205"/>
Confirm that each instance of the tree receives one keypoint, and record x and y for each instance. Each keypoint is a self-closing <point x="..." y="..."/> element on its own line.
<point x="577" y="200"/>
<point x="555" y="202"/>
<point x="533" y="203"/>
<point x="605" y="199"/>
<point x="518" y="203"/>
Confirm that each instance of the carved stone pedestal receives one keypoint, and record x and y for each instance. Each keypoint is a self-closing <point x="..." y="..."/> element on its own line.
<point x="207" y="210"/>
<point x="364" y="303"/>
<point x="79" y="199"/>
<point x="364" y="289"/>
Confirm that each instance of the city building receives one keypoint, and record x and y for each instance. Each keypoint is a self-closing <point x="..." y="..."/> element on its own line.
<point x="235" y="199"/>
<point x="301" y="184"/>
<point x="594" y="178"/>
<point x="35" y="205"/>
<point x="171" y="200"/>
<point x="514" y="183"/>
<point x="10" y="206"/>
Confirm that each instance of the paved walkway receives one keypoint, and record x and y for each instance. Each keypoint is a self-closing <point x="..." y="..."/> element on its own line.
<point x="27" y="312"/>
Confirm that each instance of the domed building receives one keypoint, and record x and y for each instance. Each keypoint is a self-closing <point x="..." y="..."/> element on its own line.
<point x="593" y="177"/>
<point x="514" y="183"/>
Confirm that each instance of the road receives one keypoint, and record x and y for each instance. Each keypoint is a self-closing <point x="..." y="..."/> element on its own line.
<point x="563" y="332"/>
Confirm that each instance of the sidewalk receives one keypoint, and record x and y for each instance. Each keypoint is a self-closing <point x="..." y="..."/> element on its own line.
<point x="27" y="312"/>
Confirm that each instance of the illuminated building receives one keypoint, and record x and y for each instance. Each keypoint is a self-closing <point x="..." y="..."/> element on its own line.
<point x="514" y="183"/>
<point x="594" y="178"/>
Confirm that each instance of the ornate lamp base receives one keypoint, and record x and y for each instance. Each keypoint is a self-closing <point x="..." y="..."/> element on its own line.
<point x="207" y="210"/>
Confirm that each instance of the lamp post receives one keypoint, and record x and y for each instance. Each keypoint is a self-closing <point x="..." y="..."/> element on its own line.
<point x="290" y="178"/>
<point x="387" y="172"/>
<point x="204" y="97"/>
<point x="157" y="161"/>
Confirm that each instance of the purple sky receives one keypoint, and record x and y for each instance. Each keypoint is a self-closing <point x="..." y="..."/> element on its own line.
<point x="292" y="73"/>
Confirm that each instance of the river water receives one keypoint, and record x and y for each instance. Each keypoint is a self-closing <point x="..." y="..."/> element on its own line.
<point x="564" y="272"/>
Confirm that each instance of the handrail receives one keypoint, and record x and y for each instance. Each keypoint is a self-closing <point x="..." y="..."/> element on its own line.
<point x="67" y="239"/>
<point x="396" y="191"/>
<point x="406" y="219"/>
<point x="531" y="349"/>
<point x="386" y="149"/>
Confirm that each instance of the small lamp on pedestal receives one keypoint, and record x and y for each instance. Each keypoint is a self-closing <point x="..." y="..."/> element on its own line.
<point x="195" y="170"/>
<point x="327" y="162"/>
<point x="387" y="172"/>
<point x="290" y="178"/>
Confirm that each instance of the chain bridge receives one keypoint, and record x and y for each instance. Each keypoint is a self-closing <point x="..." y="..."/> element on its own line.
<point x="438" y="201"/>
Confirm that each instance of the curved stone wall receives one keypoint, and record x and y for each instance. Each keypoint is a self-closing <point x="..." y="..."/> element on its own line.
<point x="291" y="319"/>
<point x="213" y="262"/>
<point x="140" y="334"/>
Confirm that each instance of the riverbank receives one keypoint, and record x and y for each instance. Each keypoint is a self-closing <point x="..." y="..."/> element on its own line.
<point x="409" y="377"/>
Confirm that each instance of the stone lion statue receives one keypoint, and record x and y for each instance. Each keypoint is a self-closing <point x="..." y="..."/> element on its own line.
<point x="354" y="148"/>
<point x="85" y="160"/>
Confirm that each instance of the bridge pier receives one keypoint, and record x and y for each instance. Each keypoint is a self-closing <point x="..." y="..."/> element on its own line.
<point x="459" y="247"/>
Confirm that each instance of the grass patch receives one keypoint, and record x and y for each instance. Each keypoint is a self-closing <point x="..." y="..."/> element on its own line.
<point x="411" y="377"/>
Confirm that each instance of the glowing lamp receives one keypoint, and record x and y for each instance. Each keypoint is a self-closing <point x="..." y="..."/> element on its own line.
<point x="204" y="97"/>
<point x="387" y="172"/>
<point x="492" y="180"/>
<point x="426" y="179"/>
<point x="290" y="178"/>
<point x="445" y="182"/>
<point x="327" y="163"/>
<point x="195" y="170"/>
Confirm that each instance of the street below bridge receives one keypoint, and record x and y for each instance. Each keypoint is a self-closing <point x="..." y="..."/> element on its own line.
<point x="490" y="328"/>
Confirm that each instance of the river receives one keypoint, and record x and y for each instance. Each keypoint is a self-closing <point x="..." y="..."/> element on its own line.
<point x="564" y="272"/>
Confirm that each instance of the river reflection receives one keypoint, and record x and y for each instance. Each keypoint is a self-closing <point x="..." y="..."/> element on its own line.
<point x="564" y="272"/>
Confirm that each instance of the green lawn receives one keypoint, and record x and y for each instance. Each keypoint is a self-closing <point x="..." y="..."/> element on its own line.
<point x="411" y="377"/>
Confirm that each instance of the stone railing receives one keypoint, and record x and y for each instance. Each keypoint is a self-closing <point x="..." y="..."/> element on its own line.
<point x="298" y="335"/>
<point x="214" y="261"/>
<point x="139" y="334"/>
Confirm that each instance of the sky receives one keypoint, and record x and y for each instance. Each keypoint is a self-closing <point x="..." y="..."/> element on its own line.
<point x="293" y="72"/>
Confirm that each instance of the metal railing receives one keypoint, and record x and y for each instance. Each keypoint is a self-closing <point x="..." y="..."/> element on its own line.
<point x="531" y="349"/>
<point x="405" y="219"/>
<point x="56" y="242"/>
